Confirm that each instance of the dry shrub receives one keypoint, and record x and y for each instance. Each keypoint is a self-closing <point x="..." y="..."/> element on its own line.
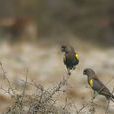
<point x="43" y="101"/>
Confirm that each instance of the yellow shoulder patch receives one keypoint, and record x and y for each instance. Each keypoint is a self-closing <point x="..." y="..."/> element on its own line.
<point x="91" y="82"/>
<point x="64" y="58"/>
<point x="77" y="56"/>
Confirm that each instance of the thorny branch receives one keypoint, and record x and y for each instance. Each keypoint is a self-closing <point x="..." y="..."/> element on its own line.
<point x="44" y="102"/>
<point x="106" y="112"/>
<point x="5" y="78"/>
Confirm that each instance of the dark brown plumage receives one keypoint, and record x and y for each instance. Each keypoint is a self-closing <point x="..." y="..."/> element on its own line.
<point x="97" y="85"/>
<point x="71" y="58"/>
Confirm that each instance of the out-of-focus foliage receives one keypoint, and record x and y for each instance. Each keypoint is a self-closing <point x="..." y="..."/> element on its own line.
<point x="88" y="19"/>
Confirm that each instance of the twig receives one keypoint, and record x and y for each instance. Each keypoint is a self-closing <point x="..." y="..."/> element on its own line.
<point x="5" y="77"/>
<point x="82" y="108"/>
<point x="106" y="112"/>
<point x="23" y="93"/>
<point x="92" y="107"/>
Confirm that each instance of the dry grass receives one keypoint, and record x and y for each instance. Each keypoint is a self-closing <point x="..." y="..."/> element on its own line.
<point x="44" y="101"/>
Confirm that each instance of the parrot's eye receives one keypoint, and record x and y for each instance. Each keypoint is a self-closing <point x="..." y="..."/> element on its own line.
<point x="85" y="72"/>
<point x="63" y="48"/>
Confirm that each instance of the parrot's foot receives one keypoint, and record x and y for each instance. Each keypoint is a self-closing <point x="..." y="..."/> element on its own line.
<point x="69" y="73"/>
<point x="74" y="68"/>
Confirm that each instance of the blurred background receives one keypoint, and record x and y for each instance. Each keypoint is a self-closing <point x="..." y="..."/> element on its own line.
<point x="32" y="31"/>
